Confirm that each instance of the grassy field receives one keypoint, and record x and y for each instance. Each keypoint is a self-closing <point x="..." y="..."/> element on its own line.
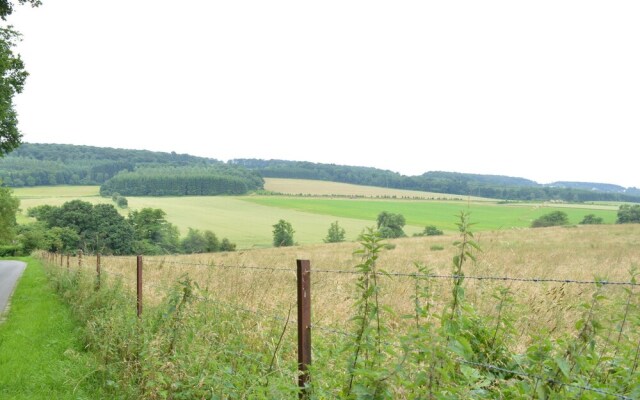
<point x="251" y="293"/>
<point x="488" y="216"/>
<point x="579" y="253"/>
<point x="247" y="220"/>
<point x="41" y="354"/>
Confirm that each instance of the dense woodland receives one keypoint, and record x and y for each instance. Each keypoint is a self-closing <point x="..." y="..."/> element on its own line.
<point x="183" y="181"/>
<point x="62" y="164"/>
<point x="492" y="186"/>
<point x="56" y="164"/>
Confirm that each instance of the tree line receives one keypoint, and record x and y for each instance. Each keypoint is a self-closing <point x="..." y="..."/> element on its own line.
<point x="491" y="186"/>
<point x="62" y="164"/>
<point x="80" y="225"/>
<point x="57" y="164"/>
<point x="183" y="181"/>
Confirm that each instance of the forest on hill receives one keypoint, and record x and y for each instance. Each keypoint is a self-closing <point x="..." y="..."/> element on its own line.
<point x="183" y="181"/>
<point x="492" y="186"/>
<point x="35" y="164"/>
<point x="59" y="164"/>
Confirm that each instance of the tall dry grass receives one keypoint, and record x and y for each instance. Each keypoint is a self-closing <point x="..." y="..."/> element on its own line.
<point x="264" y="279"/>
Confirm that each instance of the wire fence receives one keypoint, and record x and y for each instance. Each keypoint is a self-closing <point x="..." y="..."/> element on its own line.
<point x="103" y="269"/>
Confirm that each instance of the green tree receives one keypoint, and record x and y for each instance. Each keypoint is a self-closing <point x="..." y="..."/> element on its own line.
<point x="431" y="230"/>
<point x="555" y="218"/>
<point x="335" y="234"/>
<point x="153" y="233"/>
<point x="213" y="244"/>
<point x="283" y="234"/>
<point x="8" y="208"/>
<point x="13" y="76"/>
<point x="109" y="232"/>
<point x="628" y="214"/>
<point x="226" y="245"/>
<point x="122" y="202"/>
<point x="194" y="242"/>
<point x="390" y="225"/>
<point x="591" y="219"/>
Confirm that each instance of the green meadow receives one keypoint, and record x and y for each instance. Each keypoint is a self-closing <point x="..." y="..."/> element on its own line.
<point x="487" y="216"/>
<point x="247" y="220"/>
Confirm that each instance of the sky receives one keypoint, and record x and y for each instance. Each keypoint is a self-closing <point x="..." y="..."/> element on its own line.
<point x="545" y="90"/>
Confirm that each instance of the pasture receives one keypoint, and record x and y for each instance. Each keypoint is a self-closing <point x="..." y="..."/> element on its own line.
<point x="247" y="220"/>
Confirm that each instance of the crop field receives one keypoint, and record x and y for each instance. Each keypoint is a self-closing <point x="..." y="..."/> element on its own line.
<point x="306" y="187"/>
<point x="247" y="220"/>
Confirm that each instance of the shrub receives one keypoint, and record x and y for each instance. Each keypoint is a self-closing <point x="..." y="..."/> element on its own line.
<point x="591" y="220"/>
<point x="283" y="234"/>
<point x="555" y="218"/>
<point x="628" y="214"/>
<point x="335" y="234"/>
<point x="390" y="225"/>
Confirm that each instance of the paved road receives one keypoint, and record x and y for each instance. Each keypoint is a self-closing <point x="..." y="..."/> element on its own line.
<point x="10" y="271"/>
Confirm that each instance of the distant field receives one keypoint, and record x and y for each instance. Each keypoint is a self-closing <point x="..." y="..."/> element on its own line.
<point x="324" y="188"/>
<point x="440" y="213"/>
<point x="247" y="220"/>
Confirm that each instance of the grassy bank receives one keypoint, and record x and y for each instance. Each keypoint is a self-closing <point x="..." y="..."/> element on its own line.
<point x="41" y="352"/>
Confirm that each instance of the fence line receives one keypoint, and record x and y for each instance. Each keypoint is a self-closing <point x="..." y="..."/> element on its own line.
<point x="304" y="323"/>
<point x="414" y="275"/>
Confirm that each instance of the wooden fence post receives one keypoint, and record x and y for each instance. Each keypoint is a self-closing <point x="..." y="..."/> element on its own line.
<point x="61" y="259"/>
<point x="139" y="285"/>
<point x="304" y="325"/>
<point x="79" y="258"/>
<point x="67" y="261"/>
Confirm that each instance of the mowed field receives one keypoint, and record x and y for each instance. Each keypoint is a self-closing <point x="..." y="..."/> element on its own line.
<point x="247" y="220"/>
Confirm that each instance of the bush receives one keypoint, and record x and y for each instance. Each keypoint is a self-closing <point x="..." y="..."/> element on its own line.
<point x="628" y="214"/>
<point x="335" y="234"/>
<point x="122" y="202"/>
<point x="436" y="247"/>
<point x="555" y="218"/>
<point x="10" y="250"/>
<point x="591" y="219"/>
<point x="390" y="225"/>
<point x="283" y="234"/>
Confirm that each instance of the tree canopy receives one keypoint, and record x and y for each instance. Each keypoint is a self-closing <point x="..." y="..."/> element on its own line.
<point x="555" y="218"/>
<point x="629" y="214"/>
<point x="13" y="76"/>
<point x="390" y="225"/>
<point x="8" y="209"/>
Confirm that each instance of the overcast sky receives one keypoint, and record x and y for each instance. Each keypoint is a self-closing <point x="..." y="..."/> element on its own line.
<point x="545" y="90"/>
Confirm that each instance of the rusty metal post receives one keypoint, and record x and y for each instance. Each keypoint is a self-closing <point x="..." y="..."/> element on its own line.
<point x="139" y="285"/>
<point x="98" y="271"/>
<point x="304" y="325"/>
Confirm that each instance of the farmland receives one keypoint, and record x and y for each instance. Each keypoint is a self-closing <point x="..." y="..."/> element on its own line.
<point x="217" y="325"/>
<point x="247" y="220"/>
<point x="234" y="338"/>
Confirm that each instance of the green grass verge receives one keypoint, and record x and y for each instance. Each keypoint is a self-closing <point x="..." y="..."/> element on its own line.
<point x="41" y="354"/>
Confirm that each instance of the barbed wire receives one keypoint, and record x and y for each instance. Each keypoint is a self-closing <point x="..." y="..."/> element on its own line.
<point x="414" y="275"/>
<point x="246" y="310"/>
<point x="481" y="278"/>
<point x="404" y="348"/>
<point x="227" y="266"/>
